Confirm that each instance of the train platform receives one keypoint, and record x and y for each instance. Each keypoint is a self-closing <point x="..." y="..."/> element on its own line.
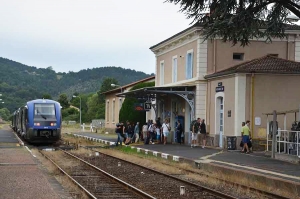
<point x="21" y="174"/>
<point x="254" y="163"/>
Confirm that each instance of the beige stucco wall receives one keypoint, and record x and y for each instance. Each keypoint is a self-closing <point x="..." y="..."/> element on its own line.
<point x="229" y="102"/>
<point x="181" y="61"/>
<point x="275" y="92"/>
<point x="224" y="51"/>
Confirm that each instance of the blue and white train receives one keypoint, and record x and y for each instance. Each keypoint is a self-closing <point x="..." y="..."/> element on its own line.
<point x="39" y="121"/>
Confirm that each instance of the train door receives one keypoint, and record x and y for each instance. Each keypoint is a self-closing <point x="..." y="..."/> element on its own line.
<point x="24" y="121"/>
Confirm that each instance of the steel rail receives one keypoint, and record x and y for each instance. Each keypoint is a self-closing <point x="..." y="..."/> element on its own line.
<point x="77" y="183"/>
<point x="133" y="188"/>
<point x="266" y="193"/>
<point x="204" y="188"/>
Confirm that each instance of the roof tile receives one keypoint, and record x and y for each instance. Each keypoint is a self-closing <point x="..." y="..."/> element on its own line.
<point x="266" y="64"/>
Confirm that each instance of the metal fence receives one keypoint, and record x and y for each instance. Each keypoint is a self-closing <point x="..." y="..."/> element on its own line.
<point x="288" y="142"/>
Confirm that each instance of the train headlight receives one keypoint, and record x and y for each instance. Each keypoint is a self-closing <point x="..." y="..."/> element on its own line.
<point x="53" y="124"/>
<point x="37" y="124"/>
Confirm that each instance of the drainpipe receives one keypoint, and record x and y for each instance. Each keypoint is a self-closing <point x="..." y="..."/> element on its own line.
<point x="215" y="55"/>
<point x="252" y="104"/>
<point x="288" y="50"/>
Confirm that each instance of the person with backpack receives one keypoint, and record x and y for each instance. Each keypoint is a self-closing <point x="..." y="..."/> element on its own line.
<point x="195" y="128"/>
<point x="152" y="133"/>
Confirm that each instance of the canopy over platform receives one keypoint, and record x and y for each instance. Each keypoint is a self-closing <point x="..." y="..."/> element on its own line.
<point x="156" y="93"/>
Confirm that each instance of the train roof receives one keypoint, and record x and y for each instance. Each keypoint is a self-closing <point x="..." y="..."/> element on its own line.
<point x="41" y="101"/>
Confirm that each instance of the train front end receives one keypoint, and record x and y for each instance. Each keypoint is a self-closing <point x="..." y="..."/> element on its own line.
<point x="44" y="122"/>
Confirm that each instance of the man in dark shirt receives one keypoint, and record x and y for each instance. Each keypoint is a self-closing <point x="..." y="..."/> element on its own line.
<point x="119" y="131"/>
<point x="203" y="133"/>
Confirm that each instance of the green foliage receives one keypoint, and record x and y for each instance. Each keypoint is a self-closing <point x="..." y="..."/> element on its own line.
<point x="46" y="96"/>
<point x="143" y="85"/>
<point x="127" y="111"/>
<point x="63" y="100"/>
<point x="20" y="83"/>
<point x="240" y="21"/>
<point x="4" y="114"/>
<point x="106" y="86"/>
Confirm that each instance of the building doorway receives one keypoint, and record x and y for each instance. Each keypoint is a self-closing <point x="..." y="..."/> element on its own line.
<point x="220" y="119"/>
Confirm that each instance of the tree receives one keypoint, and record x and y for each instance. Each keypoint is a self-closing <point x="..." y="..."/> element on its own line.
<point x="240" y="20"/>
<point x="46" y="96"/>
<point x="127" y="111"/>
<point x="4" y="114"/>
<point x="63" y="100"/>
<point x="106" y="86"/>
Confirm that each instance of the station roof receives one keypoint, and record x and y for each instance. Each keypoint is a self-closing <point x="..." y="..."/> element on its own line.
<point x="266" y="64"/>
<point x="283" y="112"/>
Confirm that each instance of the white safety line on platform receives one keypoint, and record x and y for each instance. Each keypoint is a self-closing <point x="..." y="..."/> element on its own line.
<point x="209" y="156"/>
<point x="29" y="151"/>
<point x="256" y="169"/>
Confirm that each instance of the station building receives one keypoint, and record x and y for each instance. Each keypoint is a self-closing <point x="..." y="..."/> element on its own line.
<point x="223" y="84"/>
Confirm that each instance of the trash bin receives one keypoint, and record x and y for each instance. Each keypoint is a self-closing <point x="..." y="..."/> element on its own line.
<point x="231" y="143"/>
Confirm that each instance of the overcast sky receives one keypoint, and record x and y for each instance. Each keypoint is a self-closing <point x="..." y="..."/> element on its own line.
<point x="71" y="35"/>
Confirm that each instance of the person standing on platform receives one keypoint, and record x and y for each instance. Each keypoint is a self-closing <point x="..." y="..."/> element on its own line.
<point x="203" y="133"/>
<point x="178" y="131"/>
<point x="136" y="132"/>
<point x="195" y="131"/>
<point x="246" y="134"/>
<point x="145" y="130"/>
<point x="166" y="130"/>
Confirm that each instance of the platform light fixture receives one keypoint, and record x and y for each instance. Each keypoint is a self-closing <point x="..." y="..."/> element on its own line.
<point x="116" y="85"/>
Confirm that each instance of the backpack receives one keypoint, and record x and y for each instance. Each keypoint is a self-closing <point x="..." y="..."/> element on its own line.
<point x="192" y="124"/>
<point x="151" y="129"/>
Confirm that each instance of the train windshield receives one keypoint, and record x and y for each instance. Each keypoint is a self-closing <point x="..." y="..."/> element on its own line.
<point x="44" y="111"/>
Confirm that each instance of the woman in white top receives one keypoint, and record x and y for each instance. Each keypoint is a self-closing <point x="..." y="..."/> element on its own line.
<point x="166" y="130"/>
<point x="145" y="130"/>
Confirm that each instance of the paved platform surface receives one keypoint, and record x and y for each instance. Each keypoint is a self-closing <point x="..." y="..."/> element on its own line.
<point x="21" y="174"/>
<point x="256" y="162"/>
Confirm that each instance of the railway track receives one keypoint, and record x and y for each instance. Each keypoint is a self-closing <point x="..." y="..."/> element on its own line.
<point x="159" y="185"/>
<point x="216" y="193"/>
<point x="95" y="182"/>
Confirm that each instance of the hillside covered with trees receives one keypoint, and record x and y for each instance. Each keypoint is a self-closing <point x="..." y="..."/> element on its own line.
<point x="20" y="83"/>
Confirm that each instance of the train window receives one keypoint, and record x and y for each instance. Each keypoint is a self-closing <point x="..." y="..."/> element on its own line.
<point x="44" y="110"/>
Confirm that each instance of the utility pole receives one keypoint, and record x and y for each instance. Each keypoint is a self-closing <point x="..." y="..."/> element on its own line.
<point x="274" y="145"/>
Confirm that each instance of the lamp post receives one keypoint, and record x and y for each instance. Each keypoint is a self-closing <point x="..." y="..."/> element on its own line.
<point x="115" y="85"/>
<point x="79" y="110"/>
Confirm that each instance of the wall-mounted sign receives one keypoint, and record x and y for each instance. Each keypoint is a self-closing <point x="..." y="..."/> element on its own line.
<point x="220" y="89"/>
<point x="257" y="121"/>
<point x="147" y="105"/>
<point x="229" y="113"/>
<point x="220" y="84"/>
<point x="139" y="107"/>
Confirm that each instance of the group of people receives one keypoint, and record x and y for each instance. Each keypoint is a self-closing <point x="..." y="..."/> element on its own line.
<point x="198" y="127"/>
<point x="127" y="132"/>
<point x="156" y="132"/>
<point x="152" y="132"/>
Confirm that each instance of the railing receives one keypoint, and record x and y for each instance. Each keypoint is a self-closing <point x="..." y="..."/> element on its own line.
<point x="287" y="141"/>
